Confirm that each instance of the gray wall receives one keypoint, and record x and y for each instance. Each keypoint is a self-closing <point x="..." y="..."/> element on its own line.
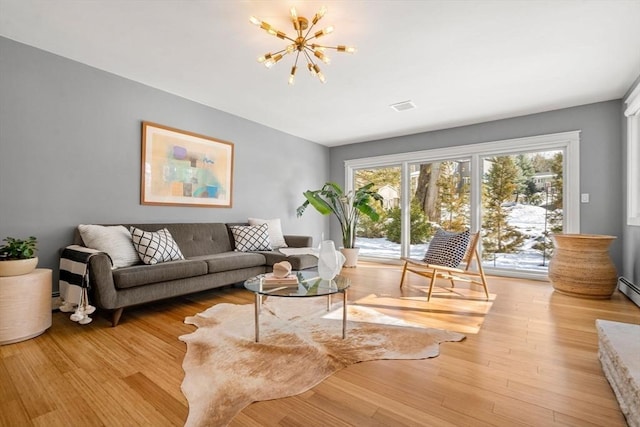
<point x="70" y="143"/>
<point x="70" y="154"/>
<point x="600" y="156"/>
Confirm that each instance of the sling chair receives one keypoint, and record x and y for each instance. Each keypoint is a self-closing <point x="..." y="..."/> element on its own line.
<point x="448" y="263"/>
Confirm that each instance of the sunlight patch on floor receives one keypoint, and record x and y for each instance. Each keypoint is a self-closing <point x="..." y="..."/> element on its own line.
<point x="463" y="311"/>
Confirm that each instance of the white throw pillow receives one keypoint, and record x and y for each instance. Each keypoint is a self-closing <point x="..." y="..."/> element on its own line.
<point x="275" y="231"/>
<point x="155" y="246"/>
<point x="114" y="240"/>
<point x="251" y="237"/>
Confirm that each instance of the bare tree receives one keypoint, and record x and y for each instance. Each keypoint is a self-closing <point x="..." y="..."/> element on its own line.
<point x="427" y="190"/>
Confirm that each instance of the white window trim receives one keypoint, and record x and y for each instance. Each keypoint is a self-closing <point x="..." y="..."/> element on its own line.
<point x="632" y="112"/>
<point x="567" y="141"/>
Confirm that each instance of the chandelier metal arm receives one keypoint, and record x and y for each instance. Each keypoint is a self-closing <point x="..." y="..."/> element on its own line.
<point x="302" y="43"/>
<point x="309" y="59"/>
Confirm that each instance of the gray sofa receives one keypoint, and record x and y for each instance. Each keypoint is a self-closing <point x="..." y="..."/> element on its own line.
<point x="210" y="262"/>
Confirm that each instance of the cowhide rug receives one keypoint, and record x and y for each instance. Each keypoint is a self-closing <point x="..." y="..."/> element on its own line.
<point x="300" y="345"/>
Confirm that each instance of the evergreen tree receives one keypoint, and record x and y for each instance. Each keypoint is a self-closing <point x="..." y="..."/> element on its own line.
<point x="554" y="216"/>
<point x="380" y="177"/>
<point x="453" y="197"/>
<point x="500" y="185"/>
<point x="557" y="182"/>
<point x="526" y="172"/>
<point x="420" y="228"/>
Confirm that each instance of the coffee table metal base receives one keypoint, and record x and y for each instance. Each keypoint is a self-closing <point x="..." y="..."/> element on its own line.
<point x="258" y="308"/>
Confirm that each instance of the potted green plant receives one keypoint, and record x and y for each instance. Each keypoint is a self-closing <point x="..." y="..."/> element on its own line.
<point x="347" y="207"/>
<point x="18" y="256"/>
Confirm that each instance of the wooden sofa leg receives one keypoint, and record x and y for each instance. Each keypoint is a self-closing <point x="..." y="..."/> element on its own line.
<point x="115" y="317"/>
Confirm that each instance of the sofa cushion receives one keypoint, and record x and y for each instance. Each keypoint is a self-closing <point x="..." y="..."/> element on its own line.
<point x="251" y="237"/>
<point x="231" y="261"/>
<point x="138" y="275"/>
<point x="155" y="247"/>
<point x="201" y="238"/>
<point x="298" y="262"/>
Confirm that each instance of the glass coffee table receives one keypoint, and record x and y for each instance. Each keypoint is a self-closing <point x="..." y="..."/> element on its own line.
<point x="309" y="285"/>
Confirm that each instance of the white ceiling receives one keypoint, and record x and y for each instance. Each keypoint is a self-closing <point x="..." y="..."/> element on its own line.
<point x="460" y="62"/>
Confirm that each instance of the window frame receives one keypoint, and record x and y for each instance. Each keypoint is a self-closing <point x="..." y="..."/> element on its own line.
<point x="569" y="142"/>
<point x="632" y="113"/>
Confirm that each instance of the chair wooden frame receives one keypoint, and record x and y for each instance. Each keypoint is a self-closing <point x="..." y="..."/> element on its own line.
<point x="434" y="272"/>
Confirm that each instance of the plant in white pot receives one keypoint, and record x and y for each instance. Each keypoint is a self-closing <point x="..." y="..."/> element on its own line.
<point x="347" y="207"/>
<point x="18" y="256"/>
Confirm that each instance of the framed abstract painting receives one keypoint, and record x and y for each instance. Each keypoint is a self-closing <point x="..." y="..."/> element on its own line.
<point x="181" y="168"/>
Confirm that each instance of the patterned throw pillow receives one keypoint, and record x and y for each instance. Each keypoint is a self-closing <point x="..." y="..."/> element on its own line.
<point x="447" y="248"/>
<point x="155" y="247"/>
<point x="251" y="237"/>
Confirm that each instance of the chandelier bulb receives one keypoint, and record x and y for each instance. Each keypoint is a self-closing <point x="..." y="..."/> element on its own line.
<point x="321" y="77"/>
<point x="264" y="25"/>
<point x="346" y="49"/>
<point x="271" y="60"/>
<point x="294" y="14"/>
<point x="255" y="21"/>
<point x="292" y="76"/>
<point x="319" y="15"/>
<point x="321" y="56"/>
<point x="264" y="57"/>
<point x="324" y="32"/>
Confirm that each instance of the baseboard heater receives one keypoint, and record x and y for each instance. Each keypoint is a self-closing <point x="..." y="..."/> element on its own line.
<point x="629" y="289"/>
<point x="55" y="301"/>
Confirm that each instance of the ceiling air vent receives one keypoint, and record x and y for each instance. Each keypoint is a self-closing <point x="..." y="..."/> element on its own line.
<point x="403" y="106"/>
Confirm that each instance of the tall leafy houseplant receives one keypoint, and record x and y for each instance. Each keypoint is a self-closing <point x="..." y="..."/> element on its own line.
<point x="347" y="207"/>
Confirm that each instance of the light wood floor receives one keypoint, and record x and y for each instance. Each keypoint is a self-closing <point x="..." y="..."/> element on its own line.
<point x="530" y="358"/>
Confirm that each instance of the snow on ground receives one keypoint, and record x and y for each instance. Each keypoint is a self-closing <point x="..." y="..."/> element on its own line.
<point x="528" y="219"/>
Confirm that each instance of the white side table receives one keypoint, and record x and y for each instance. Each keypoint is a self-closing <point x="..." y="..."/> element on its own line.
<point x="25" y="306"/>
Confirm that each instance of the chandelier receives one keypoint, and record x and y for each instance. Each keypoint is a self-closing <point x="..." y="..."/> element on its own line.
<point x="304" y="44"/>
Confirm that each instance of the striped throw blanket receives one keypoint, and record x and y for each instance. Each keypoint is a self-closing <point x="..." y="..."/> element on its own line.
<point x="74" y="282"/>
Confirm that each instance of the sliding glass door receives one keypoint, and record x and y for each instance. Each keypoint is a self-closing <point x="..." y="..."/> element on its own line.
<point x="439" y="199"/>
<point x="515" y="192"/>
<point x="521" y="206"/>
<point x="381" y="239"/>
